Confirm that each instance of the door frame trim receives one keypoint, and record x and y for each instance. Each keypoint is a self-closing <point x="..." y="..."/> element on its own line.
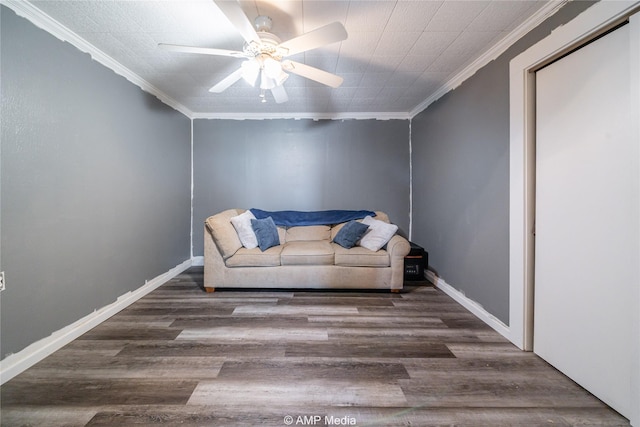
<point x="592" y="22"/>
<point x="595" y="20"/>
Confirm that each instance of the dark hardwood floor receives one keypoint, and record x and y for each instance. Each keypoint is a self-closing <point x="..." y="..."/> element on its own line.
<point x="180" y="356"/>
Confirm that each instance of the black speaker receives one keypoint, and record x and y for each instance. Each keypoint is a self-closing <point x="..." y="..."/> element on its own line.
<point x="415" y="263"/>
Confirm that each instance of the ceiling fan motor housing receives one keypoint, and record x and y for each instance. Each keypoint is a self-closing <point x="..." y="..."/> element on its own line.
<point x="268" y="46"/>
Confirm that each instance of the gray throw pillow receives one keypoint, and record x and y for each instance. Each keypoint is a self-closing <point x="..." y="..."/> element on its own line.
<point x="266" y="233"/>
<point x="350" y="233"/>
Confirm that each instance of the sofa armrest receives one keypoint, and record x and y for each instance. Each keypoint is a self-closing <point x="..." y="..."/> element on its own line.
<point x="224" y="235"/>
<point x="214" y="265"/>
<point x="398" y="247"/>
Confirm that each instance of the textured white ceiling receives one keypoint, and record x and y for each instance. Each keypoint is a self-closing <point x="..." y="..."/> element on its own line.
<point x="397" y="55"/>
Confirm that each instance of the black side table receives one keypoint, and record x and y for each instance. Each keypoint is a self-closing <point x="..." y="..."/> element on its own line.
<point x="415" y="263"/>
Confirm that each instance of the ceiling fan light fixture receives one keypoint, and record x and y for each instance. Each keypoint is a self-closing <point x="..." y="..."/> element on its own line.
<point x="250" y="71"/>
<point x="272" y="68"/>
<point x="267" y="82"/>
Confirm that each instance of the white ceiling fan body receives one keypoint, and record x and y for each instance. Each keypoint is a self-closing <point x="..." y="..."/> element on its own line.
<point x="264" y="53"/>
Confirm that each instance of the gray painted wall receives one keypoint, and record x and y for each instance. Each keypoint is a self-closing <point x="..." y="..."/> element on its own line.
<point x="300" y="165"/>
<point x="95" y="185"/>
<point x="461" y="178"/>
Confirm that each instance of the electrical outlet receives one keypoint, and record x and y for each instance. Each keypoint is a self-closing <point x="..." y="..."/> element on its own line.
<point x="2" y="284"/>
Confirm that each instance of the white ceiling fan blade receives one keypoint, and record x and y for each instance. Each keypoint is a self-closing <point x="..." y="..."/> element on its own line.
<point x="322" y="36"/>
<point x="234" y="13"/>
<point x="313" y="73"/>
<point x="227" y="81"/>
<point x="201" y="50"/>
<point x="279" y="94"/>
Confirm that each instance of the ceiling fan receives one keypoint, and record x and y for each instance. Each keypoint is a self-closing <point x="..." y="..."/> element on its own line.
<point x="264" y="52"/>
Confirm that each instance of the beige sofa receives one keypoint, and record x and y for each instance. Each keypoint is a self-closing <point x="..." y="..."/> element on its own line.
<point x="305" y="258"/>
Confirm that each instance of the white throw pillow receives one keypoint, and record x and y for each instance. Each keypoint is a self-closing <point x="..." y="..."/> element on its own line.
<point x="242" y="224"/>
<point x="378" y="234"/>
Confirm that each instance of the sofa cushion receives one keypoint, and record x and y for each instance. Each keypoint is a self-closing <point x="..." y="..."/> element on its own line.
<point x="242" y="224"/>
<point x="223" y="233"/>
<point x="360" y="257"/>
<point x="308" y="232"/>
<point x="336" y="229"/>
<point x="350" y="234"/>
<point x="307" y="252"/>
<point x="378" y="234"/>
<point x="282" y="234"/>
<point x="266" y="232"/>
<point x="255" y="257"/>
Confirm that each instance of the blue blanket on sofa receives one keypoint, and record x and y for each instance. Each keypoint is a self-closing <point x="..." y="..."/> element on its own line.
<point x="295" y="218"/>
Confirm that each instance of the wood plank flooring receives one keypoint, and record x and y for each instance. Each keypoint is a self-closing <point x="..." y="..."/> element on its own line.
<point x="180" y="356"/>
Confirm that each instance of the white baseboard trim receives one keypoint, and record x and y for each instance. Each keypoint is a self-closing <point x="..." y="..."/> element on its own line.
<point x="470" y="305"/>
<point x="197" y="261"/>
<point x="17" y="363"/>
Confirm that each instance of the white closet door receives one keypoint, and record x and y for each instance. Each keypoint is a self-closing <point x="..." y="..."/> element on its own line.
<point x="587" y="220"/>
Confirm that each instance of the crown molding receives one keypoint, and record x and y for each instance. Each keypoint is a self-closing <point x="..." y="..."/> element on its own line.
<point x="304" y="116"/>
<point x="496" y="50"/>
<point x="43" y="21"/>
